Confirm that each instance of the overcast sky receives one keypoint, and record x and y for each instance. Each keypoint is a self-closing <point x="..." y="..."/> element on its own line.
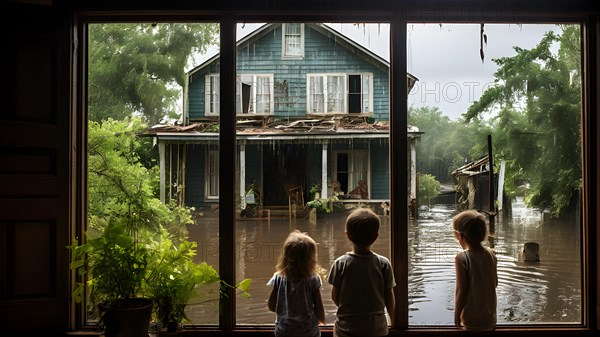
<point x="445" y="58"/>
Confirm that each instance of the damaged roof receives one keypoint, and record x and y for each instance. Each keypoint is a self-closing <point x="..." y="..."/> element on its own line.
<point x="269" y="128"/>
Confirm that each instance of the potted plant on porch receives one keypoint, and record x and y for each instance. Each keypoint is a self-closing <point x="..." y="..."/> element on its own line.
<point x="319" y="205"/>
<point x="115" y="265"/>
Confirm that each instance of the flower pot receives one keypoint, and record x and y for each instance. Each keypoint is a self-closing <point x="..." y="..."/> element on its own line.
<point x="127" y="317"/>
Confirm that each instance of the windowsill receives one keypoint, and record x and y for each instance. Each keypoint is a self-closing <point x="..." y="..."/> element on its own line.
<point x="423" y="332"/>
<point x="354" y="114"/>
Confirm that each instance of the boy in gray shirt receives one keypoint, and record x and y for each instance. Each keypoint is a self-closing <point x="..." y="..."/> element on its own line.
<point x="363" y="281"/>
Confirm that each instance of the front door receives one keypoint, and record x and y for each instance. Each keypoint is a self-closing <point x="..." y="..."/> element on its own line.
<point x="284" y="168"/>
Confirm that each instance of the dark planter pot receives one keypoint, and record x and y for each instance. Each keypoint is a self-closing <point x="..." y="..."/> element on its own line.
<point x="127" y="317"/>
<point x="172" y="326"/>
<point x="171" y="329"/>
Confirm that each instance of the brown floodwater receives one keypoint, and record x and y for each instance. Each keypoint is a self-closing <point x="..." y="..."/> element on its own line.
<point x="548" y="291"/>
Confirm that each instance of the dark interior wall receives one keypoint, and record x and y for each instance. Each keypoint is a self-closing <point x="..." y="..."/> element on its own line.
<point x="42" y="148"/>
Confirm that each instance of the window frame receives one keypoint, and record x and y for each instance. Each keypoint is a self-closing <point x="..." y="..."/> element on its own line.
<point x="211" y="98"/>
<point x="369" y="94"/>
<point x="212" y="160"/>
<point x="285" y="54"/>
<point x="345" y="94"/>
<point x="354" y="156"/>
<point x="398" y="155"/>
<point x="254" y="94"/>
<point x="325" y="93"/>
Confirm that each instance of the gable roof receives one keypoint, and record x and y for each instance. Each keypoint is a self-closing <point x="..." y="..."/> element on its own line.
<point x="331" y="33"/>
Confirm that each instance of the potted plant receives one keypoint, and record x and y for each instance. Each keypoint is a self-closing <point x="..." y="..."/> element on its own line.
<point x="253" y="202"/>
<point x="115" y="265"/>
<point x="174" y="279"/>
<point x="319" y="205"/>
<point x="315" y="191"/>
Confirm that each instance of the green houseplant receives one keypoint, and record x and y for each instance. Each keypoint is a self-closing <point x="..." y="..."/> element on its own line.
<point x="115" y="266"/>
<point x="125" y="263"/>
<point x="122" y="207"/>
<point x="174" y="279"/>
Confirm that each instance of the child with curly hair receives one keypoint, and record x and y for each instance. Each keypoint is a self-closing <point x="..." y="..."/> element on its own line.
<point x="296" y="295"/>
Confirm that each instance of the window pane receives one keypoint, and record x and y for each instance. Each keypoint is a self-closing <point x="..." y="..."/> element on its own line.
<point x="290" y="157"/>
<point x="521" y="86"/>
<point x="155" y="179"/>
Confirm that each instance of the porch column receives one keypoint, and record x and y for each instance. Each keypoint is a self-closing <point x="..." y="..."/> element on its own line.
<point x="242" y="159"/>
<point x="413" y="168"/>
<point x="161" y="155"/>
<point x="324" y="186"/>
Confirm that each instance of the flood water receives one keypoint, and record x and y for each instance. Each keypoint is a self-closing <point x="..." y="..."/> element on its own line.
<point x="548" y="291"/>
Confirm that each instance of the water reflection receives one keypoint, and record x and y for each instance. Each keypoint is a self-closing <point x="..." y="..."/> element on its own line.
<point x="530" y="293"/>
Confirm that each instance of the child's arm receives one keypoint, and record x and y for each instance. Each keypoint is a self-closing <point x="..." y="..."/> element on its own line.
<point x="319" y="308"/>
<point x="272" y="299"/>
<point x="460" y="294"/>
<point x="390" y="304"/>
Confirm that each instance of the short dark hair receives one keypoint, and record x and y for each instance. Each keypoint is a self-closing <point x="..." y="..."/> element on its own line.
<point x="362" y="226"/>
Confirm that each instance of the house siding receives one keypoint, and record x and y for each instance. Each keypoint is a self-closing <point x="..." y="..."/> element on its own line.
<point x="323" y="54"/>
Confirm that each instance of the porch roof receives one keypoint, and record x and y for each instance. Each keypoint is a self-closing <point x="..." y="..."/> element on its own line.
<point x="203" y="137"/>
<point x="308" y="130"/>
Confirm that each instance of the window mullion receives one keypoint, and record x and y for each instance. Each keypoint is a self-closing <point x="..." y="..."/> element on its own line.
<point x="227" y="161"/>
<point x="398" y="168"/>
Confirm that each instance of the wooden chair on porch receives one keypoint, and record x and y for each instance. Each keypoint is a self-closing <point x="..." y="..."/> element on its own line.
<point x="295" y="200"/>
<point x="361" y="191"/>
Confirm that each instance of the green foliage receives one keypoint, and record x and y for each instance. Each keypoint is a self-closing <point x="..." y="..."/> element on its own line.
<point x="120" y="187"/>
<point x="137" y="68"/>
<point x="321" y="205"/>
<point x="313" y="190"/>
<point x="536" y="110"/>
<point x="113" y="262"/>
<point x="174" y="277"/>
<point x="143" y="248"/>
<point x="429" y="188"/>
<point x="445" y="144"/>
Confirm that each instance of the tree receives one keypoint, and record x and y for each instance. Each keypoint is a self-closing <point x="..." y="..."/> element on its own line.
<point x="445" y="144"/>
<point x="429" y="187"/>
<point x="536" y="108"/>
<point x="120" y="187"/>
<point x="139" y="68"/>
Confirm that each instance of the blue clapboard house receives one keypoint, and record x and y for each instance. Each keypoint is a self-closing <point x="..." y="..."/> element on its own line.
<point x="312" y="110"/>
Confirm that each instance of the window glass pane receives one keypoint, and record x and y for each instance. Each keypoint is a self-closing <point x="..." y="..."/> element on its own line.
<point x="147" y="167"/>
<point x="293" y="39"/>
<point x="291" y="158"/>
<point x="514" y="90"/>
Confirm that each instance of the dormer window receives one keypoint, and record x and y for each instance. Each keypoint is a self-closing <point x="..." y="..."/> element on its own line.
<point x="292" y="36"/>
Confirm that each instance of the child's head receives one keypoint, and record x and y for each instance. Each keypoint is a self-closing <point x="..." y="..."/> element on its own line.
<point x="471" y="225"/>
<point x="298" y="257"/>
<point x="362" y="226"/>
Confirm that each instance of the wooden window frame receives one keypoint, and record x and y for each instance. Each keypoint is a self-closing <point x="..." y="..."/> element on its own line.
<point x="398" y="155"/>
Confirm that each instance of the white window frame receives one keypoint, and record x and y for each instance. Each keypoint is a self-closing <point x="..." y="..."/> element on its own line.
<point x="366" y="97"/>
<point x="366" y="101"/>
<point x="254" y="94"/>
<point x="211" y="95"/>
<point x="326" y="93"/>
<point x="354" y="176"/>
<point x="211" y="174"/>
<point x="286" y="53"/>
